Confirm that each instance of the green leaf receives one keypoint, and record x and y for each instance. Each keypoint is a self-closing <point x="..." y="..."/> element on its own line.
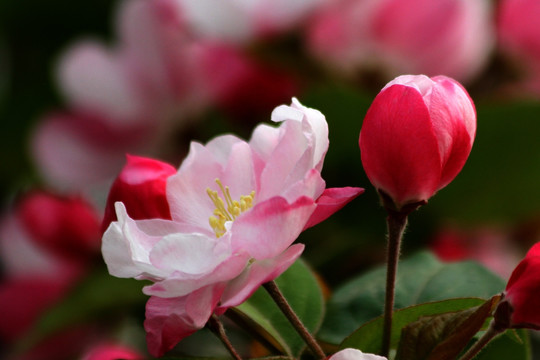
<point x="300" y="287"/>
<point x="368" y="337"/>
<point x="443" y="336"/>
<point x="100" y="295"/>
<point x="420" y="279"/>
<point x="506" y="346"/>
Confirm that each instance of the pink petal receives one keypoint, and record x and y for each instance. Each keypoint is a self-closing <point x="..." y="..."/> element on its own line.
<point x="170" y="320"/>
<point x="264" y="139"/>
<point x="239" y="174"/>
<point x="399" y="149"/>
<point x="126" y="248"/>
<point x="258" y="273"/>
<point x="284" y="160"/>
<point x="95" y="78"/>
<point x="332" y="200"/>
<point x="315" y="121"/>
<point x="271" y="226"/>
<point x="454" y="122"/>
<point x="312" y="186"/>
<point x="181" y="284"/>
<point x="68" y="158"/>
<point x="186" y="191"/>
<point x="194" y="254"/>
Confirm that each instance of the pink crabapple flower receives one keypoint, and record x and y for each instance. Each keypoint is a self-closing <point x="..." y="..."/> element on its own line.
<point x="450" y="37"/>
<point x="236" y="209"/>
<point x="121" y="98"/>
<point x="416" y="137"/>
<point x="354" y="354"/>
<point x="523" y="291"/>
<point x="519" y="37"/>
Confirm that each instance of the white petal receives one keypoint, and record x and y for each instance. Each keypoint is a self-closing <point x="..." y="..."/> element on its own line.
<point x="194" y="254"/>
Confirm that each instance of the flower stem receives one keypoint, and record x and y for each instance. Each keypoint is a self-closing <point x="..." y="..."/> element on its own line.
<point x="483" y="341"/>
<point x="215" y="325"/>
<point x="284" y="306"/>
<point x="396" y="226"/>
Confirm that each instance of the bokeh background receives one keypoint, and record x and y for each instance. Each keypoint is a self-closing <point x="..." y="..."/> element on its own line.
<point x="81" y="84"/>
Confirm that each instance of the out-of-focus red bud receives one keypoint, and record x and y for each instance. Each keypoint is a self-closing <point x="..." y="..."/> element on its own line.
<point x="141" y="186"/>
<point x="111" y="352"/>
<point x="416" y="137"/>
<point x="23" y="300"/>
<point x="67" y="226"/>
<point x="490" y="246"/>
<point x="523" y="292"/>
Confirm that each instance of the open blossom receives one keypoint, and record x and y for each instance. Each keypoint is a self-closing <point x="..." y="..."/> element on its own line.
<point x="523" y="292"/>
<point x="416" y="137"/>
<point x="451" y="37"/>
<point x="236" y="209"/>
<point x="354" y="354"/>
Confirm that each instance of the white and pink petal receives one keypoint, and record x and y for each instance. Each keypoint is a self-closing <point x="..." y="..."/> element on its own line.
<point x="256" y="274"/>
<point x="271" y="226"/>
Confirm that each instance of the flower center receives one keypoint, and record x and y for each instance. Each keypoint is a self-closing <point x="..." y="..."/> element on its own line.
<point x="228" y="209"/>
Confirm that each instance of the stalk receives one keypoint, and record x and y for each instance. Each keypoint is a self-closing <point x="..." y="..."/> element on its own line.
<point x="216" y="326"/>
<point x="272" y="289"/>
<point x="396" y="223"/>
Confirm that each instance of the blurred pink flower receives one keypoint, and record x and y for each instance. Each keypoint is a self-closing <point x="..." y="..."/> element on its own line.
<point x="121" y="99"/>
<point x="46" y="244"/>
<point x="450" y="37"/>
<point x="239" y="22"/>
<point x="111" y="351"/>
<point x="490" y="247"/>
<point x="416" y="137"/>
<point x="78" y="150"/>
<point x="519" y="38"/>
<point x="242" y="86"/>
<point x="236" y="209"/>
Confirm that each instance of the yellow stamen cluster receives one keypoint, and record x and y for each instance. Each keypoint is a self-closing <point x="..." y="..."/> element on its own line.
<point x="227" y="210"/>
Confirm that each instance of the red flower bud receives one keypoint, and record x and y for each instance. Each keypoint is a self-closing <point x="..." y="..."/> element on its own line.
<point x="416" y="137"/>
<point x="141" y="186"/>
<point x="523" y="291"/>
<point x="111" y="352"/>
<point x="65" y="225"/>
